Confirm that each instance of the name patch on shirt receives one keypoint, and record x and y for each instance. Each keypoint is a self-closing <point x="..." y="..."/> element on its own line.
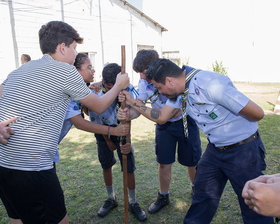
<point x="213" y="115"/>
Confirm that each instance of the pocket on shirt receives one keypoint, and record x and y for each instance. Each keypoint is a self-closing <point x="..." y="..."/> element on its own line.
<point x="209" y="111"/>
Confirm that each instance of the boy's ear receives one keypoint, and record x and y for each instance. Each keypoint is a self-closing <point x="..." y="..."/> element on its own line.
<point x="169" y="81"/>
<point x="60" y="48"/>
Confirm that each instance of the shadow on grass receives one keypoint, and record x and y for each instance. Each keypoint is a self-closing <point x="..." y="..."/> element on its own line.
<point x="81" y="178"/>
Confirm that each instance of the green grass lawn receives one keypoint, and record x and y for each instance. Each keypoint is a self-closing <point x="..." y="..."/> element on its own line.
<point x="81" y="178"/>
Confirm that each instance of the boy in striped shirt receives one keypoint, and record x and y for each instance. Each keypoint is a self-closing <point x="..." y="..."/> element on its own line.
<point x="38" y="93"/>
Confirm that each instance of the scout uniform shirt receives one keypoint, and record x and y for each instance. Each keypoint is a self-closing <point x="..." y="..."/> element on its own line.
<point x="109" y="116"/>
<point x="214" y="103"/>
<point x="72" y="111"/>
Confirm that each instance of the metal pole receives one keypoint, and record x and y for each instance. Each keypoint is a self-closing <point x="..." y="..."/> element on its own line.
<point x="12" y="21"/>
<point x="62" y="10"/>
<point x="101" y="33"/>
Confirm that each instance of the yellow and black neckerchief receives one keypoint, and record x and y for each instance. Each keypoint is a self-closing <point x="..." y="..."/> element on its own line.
<point x="190" y="72"/>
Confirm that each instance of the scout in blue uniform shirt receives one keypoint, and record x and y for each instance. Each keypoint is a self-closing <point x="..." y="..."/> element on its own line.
<point x="105" y="150"/>
<point x="235" y="151"/>
<point x="168" y="134"/>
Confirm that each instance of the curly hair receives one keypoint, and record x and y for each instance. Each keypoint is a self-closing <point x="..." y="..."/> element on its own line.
<point x="55" y="33"/>
<point x="110" y="72"/>
<point x="143" y="59"/>
<point x="79" y="60"/>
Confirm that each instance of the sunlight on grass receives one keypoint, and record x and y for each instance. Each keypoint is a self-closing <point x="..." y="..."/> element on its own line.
<point x="95" y="162"/>
<point x="79" y="156"/>
<point x="181" y="205"/>
<point x="81" y="175"/>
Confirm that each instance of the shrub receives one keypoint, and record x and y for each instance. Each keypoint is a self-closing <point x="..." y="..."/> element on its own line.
<point x="219" y="68"/>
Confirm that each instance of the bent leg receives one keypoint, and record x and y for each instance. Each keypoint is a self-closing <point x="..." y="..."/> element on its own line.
<point x="65" y="220"/>
<point x="192" y="173"/>
<point x="246" y="163"/>
<point x="15" y="221"/>
<point x="208" y="187"/>
<point x="164" y="176"/>
<point x="107" y="175"/>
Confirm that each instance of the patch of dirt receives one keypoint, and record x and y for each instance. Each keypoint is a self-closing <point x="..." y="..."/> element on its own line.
<point x="261" y="93"/>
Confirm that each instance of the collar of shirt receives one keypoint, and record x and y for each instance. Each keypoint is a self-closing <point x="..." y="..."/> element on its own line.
<point x="48" y="57"/>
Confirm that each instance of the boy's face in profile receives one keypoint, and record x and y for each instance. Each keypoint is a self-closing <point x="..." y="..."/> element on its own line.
<point x="70" y="53"/>
<point x="108" y="86"/>
<point x="143" y="76"/>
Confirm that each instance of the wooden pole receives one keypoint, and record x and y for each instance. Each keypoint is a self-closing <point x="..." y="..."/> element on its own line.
<point x="124" y="157"/>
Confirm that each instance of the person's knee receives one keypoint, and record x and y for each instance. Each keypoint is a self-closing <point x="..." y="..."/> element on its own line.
<point x="107" y="170"/>
<point x="65" y="220"/>
<point x="165" y="167"/>
<point x="15" y="221"/>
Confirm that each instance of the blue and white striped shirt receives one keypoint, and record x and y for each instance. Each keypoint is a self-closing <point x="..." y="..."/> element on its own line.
<point x="38" y="94"/>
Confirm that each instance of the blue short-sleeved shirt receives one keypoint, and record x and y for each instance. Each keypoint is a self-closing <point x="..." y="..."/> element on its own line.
<point x="214" y="103"/>
<point x="72" y="111"/>
<point x="147" y="92"/>
<point x="109" y="116"/>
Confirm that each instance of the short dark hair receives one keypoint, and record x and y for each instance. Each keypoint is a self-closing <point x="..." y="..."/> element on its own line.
<point x="110" y="72"/>
<point x="79" y="60"/>
<point x="25" y="57"/>
<point x="55" y="33"/>
<point x="143" y="59"/>
<point x="162" y="68"/>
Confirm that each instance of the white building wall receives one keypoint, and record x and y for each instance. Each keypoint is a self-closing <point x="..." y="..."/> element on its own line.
<point x="6" y="43"/>
<point x="121" y="25"/>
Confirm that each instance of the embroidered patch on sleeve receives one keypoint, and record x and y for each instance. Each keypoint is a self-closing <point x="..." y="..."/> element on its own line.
<point x="213" y="115"/>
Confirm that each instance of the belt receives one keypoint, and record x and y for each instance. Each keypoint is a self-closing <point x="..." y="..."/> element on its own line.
<point x="247" y="140"/>
<point x="173" y="122"/>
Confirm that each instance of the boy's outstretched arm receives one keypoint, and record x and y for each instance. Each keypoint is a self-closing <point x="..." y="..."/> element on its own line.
<point x="85" y="125"/>
<point x="100" y="104"/>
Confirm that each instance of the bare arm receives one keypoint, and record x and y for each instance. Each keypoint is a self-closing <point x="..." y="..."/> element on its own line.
<point x="252" y="111"/>
<point x="133" y="114"/>
<point x="158" y="115"/>
<point x="85" y="125"/>
<point x="127" y="114"/>
<point x="100" y="104"/>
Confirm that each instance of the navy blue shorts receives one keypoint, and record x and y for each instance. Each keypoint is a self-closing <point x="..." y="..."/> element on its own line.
<point x="106" y="156"/>
<point x="32" y="196"/>
<point x="169" y="135"/>
<point x="238" y="165"/>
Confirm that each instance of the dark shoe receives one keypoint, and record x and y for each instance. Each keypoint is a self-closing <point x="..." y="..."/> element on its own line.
<point x="107" y="207"/>
<point x="137" y="212"/>
<point x="161" y="201"/>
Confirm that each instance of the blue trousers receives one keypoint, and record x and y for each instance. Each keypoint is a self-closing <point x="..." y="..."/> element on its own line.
<point x="238" y="165"/>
